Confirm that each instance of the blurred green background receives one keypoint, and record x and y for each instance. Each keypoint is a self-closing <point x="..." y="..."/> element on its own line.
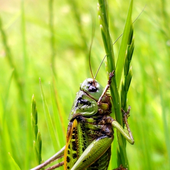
<point x="50" y="40"/>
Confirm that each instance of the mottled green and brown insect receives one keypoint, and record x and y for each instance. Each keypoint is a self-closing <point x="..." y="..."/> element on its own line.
<point x="90" y="130"/>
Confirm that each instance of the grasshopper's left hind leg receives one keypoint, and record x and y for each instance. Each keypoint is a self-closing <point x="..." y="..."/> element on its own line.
<point x="93" y="152"/>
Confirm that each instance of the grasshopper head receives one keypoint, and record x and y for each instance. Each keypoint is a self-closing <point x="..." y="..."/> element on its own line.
<point x="92" y="88"/>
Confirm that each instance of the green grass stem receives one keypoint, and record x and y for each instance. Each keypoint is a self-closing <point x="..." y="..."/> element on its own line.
<point x="104" y="25"/>
<point x="10" y="60"/>
<point x="52" y="36"/>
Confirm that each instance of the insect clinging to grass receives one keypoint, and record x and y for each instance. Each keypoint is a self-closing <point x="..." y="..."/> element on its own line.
<point x="90" y="129"/>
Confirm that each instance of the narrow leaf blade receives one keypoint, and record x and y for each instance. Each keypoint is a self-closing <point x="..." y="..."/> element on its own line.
<point x="122" y="50"/>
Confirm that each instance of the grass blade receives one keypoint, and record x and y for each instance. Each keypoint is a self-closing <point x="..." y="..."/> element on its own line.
<point x="59" y="116"/>
<point x="13" y="163"/>
<point x="165" y="123"/>
<point x="48" y="119"/>
<point x="123" y="46"/>
<point x="37" y="143"/>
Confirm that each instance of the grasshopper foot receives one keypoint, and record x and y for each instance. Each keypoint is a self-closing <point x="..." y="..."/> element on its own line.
<point x="121" y="168"/>
<point x="110" y="76"/>
<point x="126" y="115"/>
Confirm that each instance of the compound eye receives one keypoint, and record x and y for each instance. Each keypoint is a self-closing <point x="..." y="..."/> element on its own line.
<point x="92" y="89"/>
<point x="92" y="86"/>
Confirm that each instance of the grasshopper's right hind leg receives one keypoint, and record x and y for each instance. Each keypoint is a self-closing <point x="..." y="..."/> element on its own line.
<point x="128" y="136"/>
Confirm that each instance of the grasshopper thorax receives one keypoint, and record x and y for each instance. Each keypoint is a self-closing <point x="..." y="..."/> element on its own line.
<point x="92" y="88"/>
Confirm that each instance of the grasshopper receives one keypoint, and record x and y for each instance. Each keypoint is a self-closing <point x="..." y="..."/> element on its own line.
<point x="90" y="130"/>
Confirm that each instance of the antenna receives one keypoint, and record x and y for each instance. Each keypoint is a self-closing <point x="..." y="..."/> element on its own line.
<point x="139" y="14"/>
<point x="89" y="58"/>
<point x="133" y="23"/>
<point x="92" y="36"/>
<point x="99" y="67"/>
<point x="105" y="57"/>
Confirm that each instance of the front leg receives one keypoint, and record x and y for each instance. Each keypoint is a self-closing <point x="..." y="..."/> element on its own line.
<point x="106" y="88"/>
